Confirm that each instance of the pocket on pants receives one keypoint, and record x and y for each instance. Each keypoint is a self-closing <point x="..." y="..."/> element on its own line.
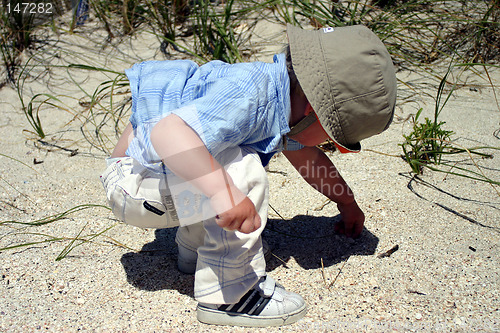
<point x="138" y="196"/>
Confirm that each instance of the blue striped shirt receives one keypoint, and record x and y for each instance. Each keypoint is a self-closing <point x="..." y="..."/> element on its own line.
<point x="228" y="105"/>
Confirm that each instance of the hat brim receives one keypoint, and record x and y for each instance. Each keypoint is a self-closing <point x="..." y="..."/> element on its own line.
<point x="344" y="150"/>
<point x="343" y="72"/>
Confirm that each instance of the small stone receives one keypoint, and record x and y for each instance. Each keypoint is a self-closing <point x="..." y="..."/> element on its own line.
<point x="59" y="286"/>
<point x="418" y="316"/>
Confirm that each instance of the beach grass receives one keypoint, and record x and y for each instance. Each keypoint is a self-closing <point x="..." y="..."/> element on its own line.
<point x="429" y="141"/>
<point x="421" y="36"/>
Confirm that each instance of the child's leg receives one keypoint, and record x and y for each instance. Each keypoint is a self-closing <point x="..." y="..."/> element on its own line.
<point x="229" y="262"/>
<point x="189" y="239"/>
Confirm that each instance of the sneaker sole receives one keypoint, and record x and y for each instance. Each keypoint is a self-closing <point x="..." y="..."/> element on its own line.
<point x="216" y="317"/>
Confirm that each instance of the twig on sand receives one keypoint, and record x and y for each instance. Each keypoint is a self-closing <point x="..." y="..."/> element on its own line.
<point x="323" y="271"/>
<point x="337" y="276"/>
<point x="388" y="252"/>
<point x="283" y="261"/>
<point x="73" y="152"/>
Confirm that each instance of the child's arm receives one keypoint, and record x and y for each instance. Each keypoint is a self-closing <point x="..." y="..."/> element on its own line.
<point x="122" y="144"/>
<point x="183" y="152"/>
<point x="319" y="171"/>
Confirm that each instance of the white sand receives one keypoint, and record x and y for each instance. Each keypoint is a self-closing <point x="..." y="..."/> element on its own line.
<point x="444" y="277"/>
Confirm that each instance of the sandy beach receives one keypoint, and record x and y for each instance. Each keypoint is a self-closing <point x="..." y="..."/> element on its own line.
<point x="443" y="274"/>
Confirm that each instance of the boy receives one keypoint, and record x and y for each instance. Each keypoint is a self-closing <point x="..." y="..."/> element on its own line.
<point x="200" y="137"/>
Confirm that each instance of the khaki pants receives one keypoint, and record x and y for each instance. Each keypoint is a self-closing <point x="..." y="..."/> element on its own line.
<point x="229" y="262"/>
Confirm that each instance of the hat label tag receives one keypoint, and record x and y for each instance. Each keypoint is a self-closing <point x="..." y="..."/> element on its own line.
<point x="328" y="29"/>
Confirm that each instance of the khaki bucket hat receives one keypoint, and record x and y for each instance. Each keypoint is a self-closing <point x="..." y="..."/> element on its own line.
<point x="348" y="78"/>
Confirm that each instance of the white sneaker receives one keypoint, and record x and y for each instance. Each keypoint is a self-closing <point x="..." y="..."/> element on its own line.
<point x="186" y="258"/>
<point x="266" y="304"/>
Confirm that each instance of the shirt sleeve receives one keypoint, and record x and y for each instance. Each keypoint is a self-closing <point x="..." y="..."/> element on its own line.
<point x="292" y="145"/>
<point x="231" y="112"/>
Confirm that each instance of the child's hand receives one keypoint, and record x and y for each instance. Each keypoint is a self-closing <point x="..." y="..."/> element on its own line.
<point x="243" y="217"/>
<point x="235" y="211"/>
<point x="352" y="221"/>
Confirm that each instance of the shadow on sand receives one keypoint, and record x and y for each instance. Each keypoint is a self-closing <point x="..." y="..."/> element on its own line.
<point x="155" y="266"/>
<point x="310" y="239"/>
<point x="307" y="239"/>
